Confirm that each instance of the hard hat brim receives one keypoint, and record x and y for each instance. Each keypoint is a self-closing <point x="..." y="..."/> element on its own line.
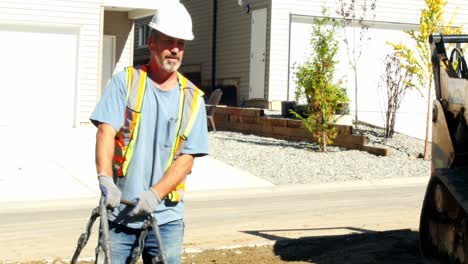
<point x="188" y="36"/>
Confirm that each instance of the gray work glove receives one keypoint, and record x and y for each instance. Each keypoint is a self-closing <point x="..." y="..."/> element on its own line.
<point x="109" y="190"/>
<point x="147" y="203"/>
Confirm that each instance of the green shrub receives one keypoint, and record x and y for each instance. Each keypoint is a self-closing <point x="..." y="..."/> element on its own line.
<point x="315" y="83"/>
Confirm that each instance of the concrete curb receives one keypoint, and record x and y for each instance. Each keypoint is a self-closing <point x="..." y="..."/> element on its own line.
<point x="309" y="188"/>
<point x="209" y="195"/>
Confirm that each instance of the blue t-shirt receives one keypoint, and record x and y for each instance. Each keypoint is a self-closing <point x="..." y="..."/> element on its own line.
<point x="152" y="148"/>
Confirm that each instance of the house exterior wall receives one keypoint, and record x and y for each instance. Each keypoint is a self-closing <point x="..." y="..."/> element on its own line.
<point x="117" y="24"/>
<point x="233" y="36"/>
<point x="83" y="14"/>
<point x="392" y="11"/>
<point x="91" y="22"/>
<point x="392" y="18"/>
<point x="233" y="45"/>
<point x="198" y="50"/>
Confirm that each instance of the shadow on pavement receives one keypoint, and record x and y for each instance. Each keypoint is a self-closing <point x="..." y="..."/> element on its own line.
<point x="364" y="246"/>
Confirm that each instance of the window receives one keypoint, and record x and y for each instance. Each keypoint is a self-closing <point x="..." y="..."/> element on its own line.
<point x="143" y="32"/>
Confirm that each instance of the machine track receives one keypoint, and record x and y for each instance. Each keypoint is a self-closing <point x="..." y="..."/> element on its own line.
<point x="443" y="226"/>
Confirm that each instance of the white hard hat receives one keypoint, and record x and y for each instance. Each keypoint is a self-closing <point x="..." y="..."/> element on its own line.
<point x="172" y="19"/>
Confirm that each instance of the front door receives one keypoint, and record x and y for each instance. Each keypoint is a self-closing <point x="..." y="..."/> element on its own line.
<point x="257" y="54"/>
<point x="108" y="60"/>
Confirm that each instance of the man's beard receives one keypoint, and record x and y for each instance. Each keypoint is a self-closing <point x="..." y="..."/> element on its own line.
<point x="169" y="65"/>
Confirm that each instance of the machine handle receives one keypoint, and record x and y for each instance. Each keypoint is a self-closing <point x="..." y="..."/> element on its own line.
<point x="437" y="38"/>
<point x="127" y="202"/>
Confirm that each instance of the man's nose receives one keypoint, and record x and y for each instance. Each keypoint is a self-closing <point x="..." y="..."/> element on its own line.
<point x="174" y="49"/>
<point x="176" y="46"/>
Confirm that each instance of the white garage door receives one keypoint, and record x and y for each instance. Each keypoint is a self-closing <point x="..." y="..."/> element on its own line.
<point x="38" y="76"/>
<point x="411" y="117"/>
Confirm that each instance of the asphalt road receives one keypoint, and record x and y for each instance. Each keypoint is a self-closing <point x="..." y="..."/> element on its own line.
<point x="49" y="230"/>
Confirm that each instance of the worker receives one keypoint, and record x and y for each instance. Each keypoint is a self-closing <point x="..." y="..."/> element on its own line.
<point x="151" y="124"/>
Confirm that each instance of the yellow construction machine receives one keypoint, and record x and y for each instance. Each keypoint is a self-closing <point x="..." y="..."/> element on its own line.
<point x="443" y="228"/>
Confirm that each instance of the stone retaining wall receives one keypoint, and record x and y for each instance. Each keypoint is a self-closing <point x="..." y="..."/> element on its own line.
<point x="254" y="121"/>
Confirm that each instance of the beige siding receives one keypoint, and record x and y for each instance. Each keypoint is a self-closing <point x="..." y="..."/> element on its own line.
<point x="84" y="14"/>
<point x="394" y="11"/>
<point x="233" y="41"/>
<point x="198" y="51"/>
<point x="233" y="45"/>
<point x="118" y="25"/>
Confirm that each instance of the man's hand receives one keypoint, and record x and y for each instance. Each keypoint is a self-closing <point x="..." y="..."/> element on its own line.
<point x="109" y="190"/>
<point x="147" y="203"/>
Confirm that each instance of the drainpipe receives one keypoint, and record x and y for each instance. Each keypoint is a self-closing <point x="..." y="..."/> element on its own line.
<point x="289" y="58"/>
<point x="213" y="44"/>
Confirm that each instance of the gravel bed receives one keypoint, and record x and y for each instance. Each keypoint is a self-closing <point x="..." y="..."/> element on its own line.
<point x="287" y="162"/>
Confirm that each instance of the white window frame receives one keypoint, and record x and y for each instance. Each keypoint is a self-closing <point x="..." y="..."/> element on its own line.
<point x="143" y="32"/>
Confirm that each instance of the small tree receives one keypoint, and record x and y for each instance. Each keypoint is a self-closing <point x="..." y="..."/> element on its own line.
<point x="353" y="13"/>
<point x="431" y="21"/>
<point x="316" y="85"/>
<point x="398" y="78"/>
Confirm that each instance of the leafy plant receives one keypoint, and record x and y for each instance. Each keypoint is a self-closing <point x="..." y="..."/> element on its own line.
<point x="431" y="21"/>
<point x="316" y="85"/>
<point x="398" y="77"/>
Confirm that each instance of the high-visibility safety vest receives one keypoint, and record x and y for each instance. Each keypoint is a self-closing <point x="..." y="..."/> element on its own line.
<point x="189" y="106"/>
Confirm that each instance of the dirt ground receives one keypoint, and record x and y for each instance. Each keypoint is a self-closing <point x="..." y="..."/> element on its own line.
<point x="397" y="246"/>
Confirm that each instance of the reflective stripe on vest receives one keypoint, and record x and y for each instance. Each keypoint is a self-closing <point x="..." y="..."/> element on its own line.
<point x="124" y="140"/>
<point x="189" y="106"/>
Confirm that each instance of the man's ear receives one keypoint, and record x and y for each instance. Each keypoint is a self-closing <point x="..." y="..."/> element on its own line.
<point x="150" y="41"/>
